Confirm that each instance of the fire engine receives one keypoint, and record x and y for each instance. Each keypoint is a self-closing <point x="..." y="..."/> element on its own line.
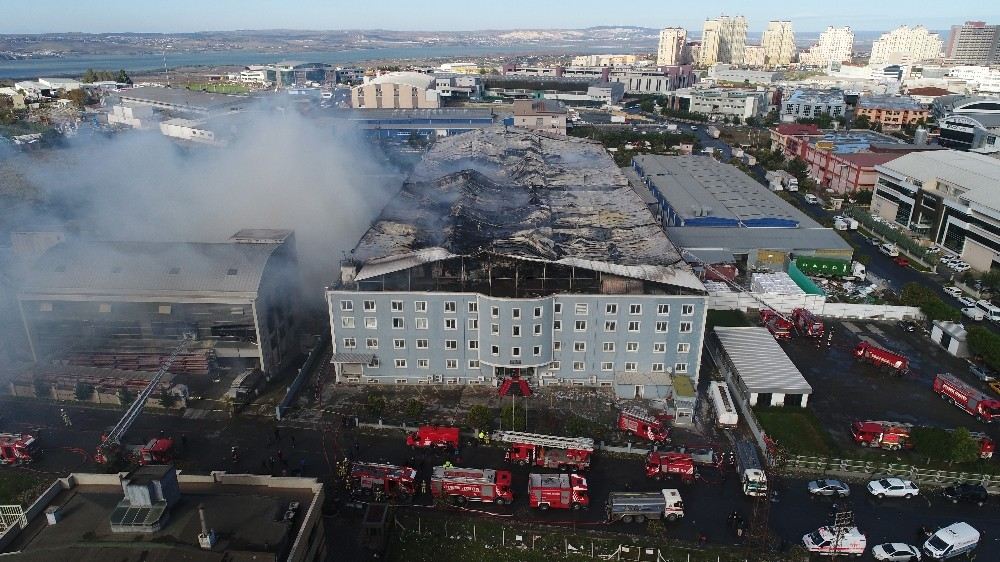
<point x="558" y="491"/>
<point x="472" y="484"/>
<point x="681" y="465"/>
<point x="547" y="451"/>
<point x="155" y="451"/>
<point x="17" y="448"/>
<point x="641" y="423"/>
<point x="779" y="327"/>
<point x="379" y="481"/>
<point x="882" y="357"/>
<point x="433" y="436"/>
<point x="969" y="399"/>
<point x="894" y="436"/>
<point x="807" y="323"/>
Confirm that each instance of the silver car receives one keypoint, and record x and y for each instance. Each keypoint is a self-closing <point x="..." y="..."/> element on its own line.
<point x="832" y="488"/>
<point x="896" y="552"/>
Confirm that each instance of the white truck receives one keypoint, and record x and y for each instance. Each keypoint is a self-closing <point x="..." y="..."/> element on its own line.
<point x="713" y="131"/>
<point x="752" y="477"/>
<point x="951" y="541"/>
<point x="722" y="402"/>
<point x="836" y="541"/>
<point x="773" y="178"/>
<point x="889" y="249"/>
<point x="637" y="507"/>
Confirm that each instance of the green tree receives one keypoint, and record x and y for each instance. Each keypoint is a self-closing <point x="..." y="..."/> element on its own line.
<point x="931" y="442"/>
<point x="89" y="77"/>
<point x="84" y="392"/>
<point x="964" y="448"/>
<point x="413" y="409"/>
<point x="125" y="396"/>
<point x="985" y="344"/>
<point x="123" y="77"/>
<point x="479" y="418"/>
<point x="517" y="413"/>
<point x="375" y="404"/>
<point x="646" y="105"/>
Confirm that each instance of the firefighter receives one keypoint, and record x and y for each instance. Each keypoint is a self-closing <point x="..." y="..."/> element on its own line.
<point x="423" y="487"/>
<point x="65" y="418"/>
<point x="234" y="454"/>
<point x="482" y="436"/>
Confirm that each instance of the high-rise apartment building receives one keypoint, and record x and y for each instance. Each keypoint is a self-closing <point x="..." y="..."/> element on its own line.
<point x="754" y="56"/>
<point x="672" y="46"/>
<point x="904" y="45"/>
<point x="778" y="43"/>
<point x="974" y="43"/>
<point x="723" y="40"/>
<point x="835" y="45"/>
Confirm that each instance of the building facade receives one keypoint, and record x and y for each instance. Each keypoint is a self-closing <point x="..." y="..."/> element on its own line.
<point x="778" y="43"/>
<point x="719" y="102"/>
<point x="809" y="104"/>
<point x="662" y="80"/>
<point x="397" y="90"/>
<point x="836" y="44"/>
<point x="905" y="45"/>
<point x="974" y="43"/>
<point x="540" y="115"/>
<point x="971" y="124"/>
<point x="723" y="40"/>
<point x="670" y="50"/>
<point x="892" y="112"/>
<point x="754" y="56"/>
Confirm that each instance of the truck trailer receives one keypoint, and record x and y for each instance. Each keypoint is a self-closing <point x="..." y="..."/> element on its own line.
<point x="548" y="451"/>
<point x="969" y="399"/>
<point x="752" y="476"/>
<point x="637" y="507"/>
<point x="461" y="485"/>
<point x="433" y="436"/>
<point x="819" y="265"/>
<point x="725" y="411"/>
<point x="882" y="357"/>
<point x="557" y="491"/>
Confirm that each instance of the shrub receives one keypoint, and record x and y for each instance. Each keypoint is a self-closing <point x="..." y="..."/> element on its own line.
<point x="413" y="409"/>
<point x="479" y="418"/>
<point x="376" y="404"/>
<point x="83" y="391"/>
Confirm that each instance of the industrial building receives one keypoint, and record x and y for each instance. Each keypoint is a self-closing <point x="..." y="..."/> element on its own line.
<point x="757" y="368"/>
<point x="397" y="90"/>
<point x="892" y="112"/>
<point x="402" y="124"/>
<point x="511" y="252"/>
<point x="181" y="101"/>
<point x="541" y="116"/>
<point x="126" y="305"/>
<point x="970" y="123"/>
<point x="809" y="104"/>
<point x="154" y="514"/>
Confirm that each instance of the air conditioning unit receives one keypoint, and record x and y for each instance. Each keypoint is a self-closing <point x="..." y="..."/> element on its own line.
<point x="438" y="378"/>
<point x="481" y="379"/>
<point x="352" y="379"/>
<point x="371" y="381"/>
<point x="593" y="379"/>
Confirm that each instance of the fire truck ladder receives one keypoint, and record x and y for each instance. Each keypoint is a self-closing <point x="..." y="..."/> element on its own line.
<point x="639" y="414"/>
<point x="552" y="441"/>
<point x="114" y="437"/>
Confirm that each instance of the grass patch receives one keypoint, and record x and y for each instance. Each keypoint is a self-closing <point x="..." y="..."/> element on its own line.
<point x="17" y="486"/>
<point x="734" y="318"/>
<point x="796" y="430"/>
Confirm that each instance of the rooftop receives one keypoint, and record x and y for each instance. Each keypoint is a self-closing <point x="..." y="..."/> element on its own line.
<point x="524" y="195"/>
<point x="415" y="79"/>
<point x="182" y="98"/>
<point x="850" y="141"/>
<point x="977" y="173"/>
<point x="760" y="362"/>
<point x="929" y="91"/>
<point x="412" y="114"/>
<point x="538" y="107"/>
<point x="797" y="129"/>
<point x="816" y="96"/>
<point x="870" y="159"/>
<point x="698" y="239"/>
<point x="699" y="189"/>
<point x="890" y="102"/>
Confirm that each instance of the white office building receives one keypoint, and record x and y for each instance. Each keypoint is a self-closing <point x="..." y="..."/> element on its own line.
<point x="835" y="45"/>
<point x="671" y="47"/>
<point x="723" y="39"/>
<point x="778" y="43"/>
<point x="905" y="45"/>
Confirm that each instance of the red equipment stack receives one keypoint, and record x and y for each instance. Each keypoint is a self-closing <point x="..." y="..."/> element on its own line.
<point x="971" y="400"/>
<point x="779" y="327"/>
<point x="380" y="481"/>
<point x="547" y="451"/>
<point x="680" y="465"/>
<point x="472" y="484"/>
<point x="428" y="436"/>
<point x="17" y="448"/>
<point x="514" y="386"/>
<point x="882" y="357"/>
<point x="558" y="491"/>
<point x="893" y="436"/>
<point x="807" y="324"/>
<point x="643" y="424"/>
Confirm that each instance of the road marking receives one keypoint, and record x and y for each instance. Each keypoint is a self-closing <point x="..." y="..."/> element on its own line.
<point x="874" y="329"/>
<point x="853" y="328"/>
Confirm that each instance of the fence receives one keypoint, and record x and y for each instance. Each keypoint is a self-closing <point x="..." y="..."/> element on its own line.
<point x="300" y="378"/>
<point x="855" y="468"/>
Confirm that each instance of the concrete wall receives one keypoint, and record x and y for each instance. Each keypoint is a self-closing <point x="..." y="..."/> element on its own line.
<point x="815" y="303"/>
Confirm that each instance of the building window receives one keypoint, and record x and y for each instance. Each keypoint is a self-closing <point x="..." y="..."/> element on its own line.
<point x="494" y="329"/>
<point x="657" y="367"/>
<point x="371" y="322"/>
<point x="580" y="326"/>
<point x="347" y="321"/>
<point x="579" y="346"/>
<point x="581" y="308"/>
<point x="538" y="312"/>
<point x="494" y="312"/>
<point x="515" y="331"/>
<point x="400" y="363"/>
<point x="420" y="306"/>
<point x="685" y="328"/>
<point x="473" y="307"/>
<point x="680" y="367"/>
<point x="423" y="363"/>
<point x="420" y="323"/>
<point x="371" y="343"/>
<point x="609" y="346"/>
<point x="346" y="306"/>
<point x="633" y="325"/>
<point x="536" y="351"/>
<point x="632" y="347"/>
<point x="631" y="367"/>
<point x="422" y="344"/>
<point x="557" y="325"/>
<point x="396" y="306"/>
<point x="104" y="307"/>
<point x="350" y="343"/>
<point x="662" y="309"/>
<point x="451" y="363"/>
<point x="369" y="306"/>
<point x="635" y="309"/>
<point x="495" y="350"/>
<point x="515" y="313"/>
<point x="398" y="323"/>
<point x="578" y="365"/>
<point x="473" y="323"/>
<point x="611" y="308"/>
<point x="398" y="344"/>
<point x="661" y="327"/>
<point x="610" y="325"/>
<point x="557" y="308"/>
<point x="451" y="344"/>
<point x="473" y="344"/>
<point x="607" y="366"/>
<point x="687" y="310"/>
<point x="659" y="347"/>
<point x="557" y="345"/>
<point x="374" y="364"/>
<point x="515" y="352"/>
<point x="536" y="329"/>
<point x="450" y="324"/>
<point x="473" y="363"/>
<point x="683" y="347"/>
<point x="555" y="365"/>
<point x="450" y="306"/>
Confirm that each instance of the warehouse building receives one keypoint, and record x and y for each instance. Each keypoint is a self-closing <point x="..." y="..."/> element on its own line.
<point x="125" y="305"/>
<point x="517" y="253"/>
<point x="181" y="101"/>
<point x="402" y="124"/>
<point x="757" y="368"/>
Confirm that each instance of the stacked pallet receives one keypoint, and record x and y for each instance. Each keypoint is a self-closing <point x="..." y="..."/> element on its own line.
<point x="779" y="283"/>
<point x="194" y="362"/>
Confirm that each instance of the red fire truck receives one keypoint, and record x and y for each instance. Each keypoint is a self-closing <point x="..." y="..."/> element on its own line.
<point x="549" y="451"/>
<point x="779" y="327"/>
<point x="670" y="464"/>
<point x="974" y="402"/>
<point x="894" y="436"/>
<point x="558" y="491"/>
<point x="472" y="484"/>
<point x="882" y="357"/>
<point x="427" y="436"/>
<point x="17" y="448"/>
<point x="807" y="323"/>
<point x="380" y="481"/>
<point x="156" y="451"/>
<point x="641" y="423"/>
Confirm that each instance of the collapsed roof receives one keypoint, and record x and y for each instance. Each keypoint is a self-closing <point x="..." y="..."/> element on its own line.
<point x="523" y="195"/>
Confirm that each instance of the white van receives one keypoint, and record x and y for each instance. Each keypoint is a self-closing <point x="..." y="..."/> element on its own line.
<point x="810" y="198"/>
<point x="975" y="313"/>
<point x="889" y="250"/>
<point x="991" y="310"/>
<point x="951" y="541"/>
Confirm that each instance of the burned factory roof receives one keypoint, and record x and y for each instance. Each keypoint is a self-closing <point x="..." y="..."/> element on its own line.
<point x="523" y="195"/>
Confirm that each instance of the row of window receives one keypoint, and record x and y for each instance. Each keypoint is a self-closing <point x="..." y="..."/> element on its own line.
<point x="610" y="326"/>
<point x="579" y="366"/>
<point x="451" y="307"/>
<point x="579" y="346"/>
<point x="161" y="309"/>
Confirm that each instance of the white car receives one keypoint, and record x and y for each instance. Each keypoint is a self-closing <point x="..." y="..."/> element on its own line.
<point x="967" y="301"/>
<point x="893" y="488"/>
<point x="896" y="552"/>
<point x="962" y="267"/>
<point x="953" y="291"/>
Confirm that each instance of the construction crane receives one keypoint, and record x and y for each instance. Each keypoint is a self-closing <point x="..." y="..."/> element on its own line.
<point x="110" y="446"/>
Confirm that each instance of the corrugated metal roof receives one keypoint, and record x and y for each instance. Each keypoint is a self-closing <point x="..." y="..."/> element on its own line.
<point x="978" y="173"/>
<point x="760" y="362"/>
<point x="735" y="240"/>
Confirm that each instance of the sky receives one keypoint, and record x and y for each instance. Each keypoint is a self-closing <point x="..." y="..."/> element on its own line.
<point x="450" y="15"/>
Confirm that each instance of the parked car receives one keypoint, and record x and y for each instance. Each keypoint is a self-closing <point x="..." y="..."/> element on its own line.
<point x="974" y="312"/>
<point x="982" y="372"/>
<point x="901" y="261"/>
<point x="962" y="267"/>
<point x="995" y="387"/>
<point x="907" y="326"/>
<point x="896" y="552"/>
<point x="933" y="250"/>
<point x="967" y="301"/>
<point x="972" y="493"/>
<point x="953" y="291"/>
<point x="833" y="488"/>
<point x="893" y="488"/>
